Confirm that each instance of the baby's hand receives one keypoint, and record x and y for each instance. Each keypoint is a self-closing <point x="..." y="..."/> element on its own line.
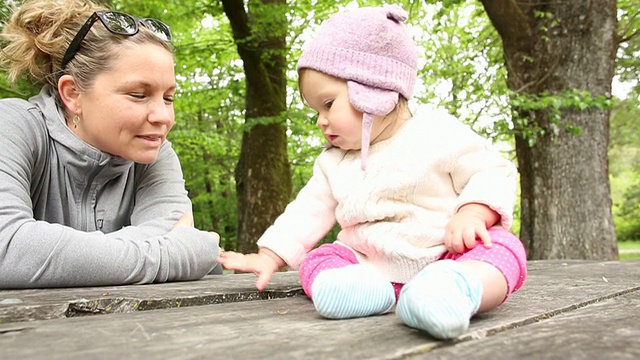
<point x="260" y="264"/>
<point x="467" y="225"/>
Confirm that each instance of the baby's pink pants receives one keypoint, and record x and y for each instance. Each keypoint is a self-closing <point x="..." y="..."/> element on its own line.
<point x="506" y="253"/>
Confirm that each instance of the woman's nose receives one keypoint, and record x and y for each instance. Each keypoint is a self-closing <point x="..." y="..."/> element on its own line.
<point x="161" y="112"/>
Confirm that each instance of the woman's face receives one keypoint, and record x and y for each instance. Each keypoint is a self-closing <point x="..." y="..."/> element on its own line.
<point x="128" y="112"/>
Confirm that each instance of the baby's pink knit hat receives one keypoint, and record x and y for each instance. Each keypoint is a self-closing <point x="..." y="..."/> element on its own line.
<point x="371" y="49"/>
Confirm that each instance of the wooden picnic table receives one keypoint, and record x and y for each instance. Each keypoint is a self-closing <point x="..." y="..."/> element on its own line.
<point x="566" y="310"/>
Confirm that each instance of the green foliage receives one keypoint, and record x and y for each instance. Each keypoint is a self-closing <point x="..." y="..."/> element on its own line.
<point x="462" y="70"/>
<point x="208" y="159"/>
<point x="626" y="206"/>
<point x="553" y="105"/>
<point x="624" y="167"/>
<point x="624" y="150"/>
<point x="24" y="88"/>
<point x="209" y="106"/>
<point x="629" y="34"/>
<point x="625" y="126"/>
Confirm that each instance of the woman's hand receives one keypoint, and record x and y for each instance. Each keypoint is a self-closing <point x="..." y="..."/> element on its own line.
<point x="468" y="225"/>
<point x="263" y="264"/>
<point x="185" y="220"/>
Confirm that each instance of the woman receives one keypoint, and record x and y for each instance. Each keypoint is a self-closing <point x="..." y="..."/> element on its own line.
<point x="91" y="192"/>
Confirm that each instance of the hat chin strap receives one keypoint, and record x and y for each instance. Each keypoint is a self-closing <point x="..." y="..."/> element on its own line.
<point x="367" y="123"/>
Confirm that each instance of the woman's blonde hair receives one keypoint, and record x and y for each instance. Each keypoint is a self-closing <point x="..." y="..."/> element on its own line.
<point x="38" y="34"/>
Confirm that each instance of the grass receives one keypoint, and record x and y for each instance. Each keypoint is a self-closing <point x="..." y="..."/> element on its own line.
<point x="629" y="250"/>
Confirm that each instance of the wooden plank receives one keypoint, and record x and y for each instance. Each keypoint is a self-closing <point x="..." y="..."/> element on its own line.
<point x="247" y="330"/>
<point x="535" y="265"/>
<point x="272" y="329"/>
<point x="45" y="304"/>
<point x="603" y="330"/>
<point x="569" y="285"/>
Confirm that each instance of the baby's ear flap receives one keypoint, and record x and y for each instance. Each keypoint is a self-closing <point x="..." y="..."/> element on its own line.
<point x="371" y="100"/>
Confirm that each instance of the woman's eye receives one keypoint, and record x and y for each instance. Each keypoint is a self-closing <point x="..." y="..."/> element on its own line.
<point x="137" y="95"/>
<point x="168" y="99"/>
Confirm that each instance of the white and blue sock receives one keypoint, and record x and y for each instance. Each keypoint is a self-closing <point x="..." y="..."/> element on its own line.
<point x="441" y="299"/>
<point x="351" y="291"/>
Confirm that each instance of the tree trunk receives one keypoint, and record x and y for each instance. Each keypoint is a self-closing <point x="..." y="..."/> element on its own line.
<point x="560" y="46"/>
<point x="263" y="175"/>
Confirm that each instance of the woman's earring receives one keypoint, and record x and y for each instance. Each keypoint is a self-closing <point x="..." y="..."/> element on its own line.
<point x="76" y="120"/>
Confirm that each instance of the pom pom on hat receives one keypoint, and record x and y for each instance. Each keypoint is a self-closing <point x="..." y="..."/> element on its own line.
<point x="372" y="50"/>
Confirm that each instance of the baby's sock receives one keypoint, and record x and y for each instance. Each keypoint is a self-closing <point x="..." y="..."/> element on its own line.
<point x="351" y="291"/>
<point x="441" y="299"/>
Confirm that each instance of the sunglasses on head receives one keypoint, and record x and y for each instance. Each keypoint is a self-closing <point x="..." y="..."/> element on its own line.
<point x="117" y="23"/>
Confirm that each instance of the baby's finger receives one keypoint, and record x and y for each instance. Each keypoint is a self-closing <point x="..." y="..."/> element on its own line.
<point x="469" y="239"/>
<point x="227" y="254"/>
<point x="264" y="278"/>
<point x="458" y="245"/>
<point x="454" y="242"/>
<point x="447" y="242"/>
<point x="484" y="236"/>
<point x="232" y="260"/>
<point x="469" y="243"/>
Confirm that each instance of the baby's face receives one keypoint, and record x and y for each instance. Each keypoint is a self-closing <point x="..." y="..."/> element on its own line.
<point x="340" y="122"/>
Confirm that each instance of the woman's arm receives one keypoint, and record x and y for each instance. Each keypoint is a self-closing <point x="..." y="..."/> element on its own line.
<point x="42" y="254"/>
